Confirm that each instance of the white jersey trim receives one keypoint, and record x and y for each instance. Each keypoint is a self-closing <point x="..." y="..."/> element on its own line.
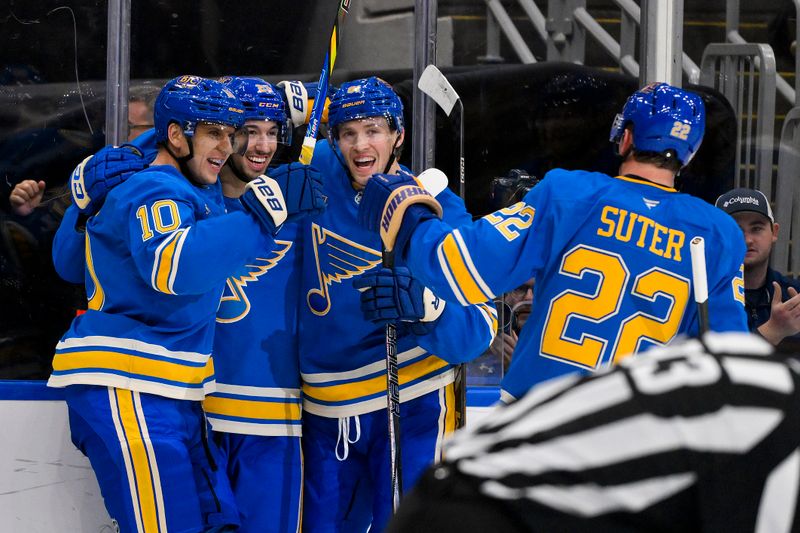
<point x="98" y="342"/>
<point x="376" y="404"/>
<point x="366" y="370"/>
<point x="132" y="384"/>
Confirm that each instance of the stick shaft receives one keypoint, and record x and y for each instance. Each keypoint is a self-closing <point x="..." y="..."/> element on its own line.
<point x="393" y="402"/>
<point x="697" y="248"/>
<point x="310" y="139"/>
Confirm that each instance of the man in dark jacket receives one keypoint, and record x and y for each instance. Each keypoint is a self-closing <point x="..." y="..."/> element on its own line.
<point x="771" y="301"/>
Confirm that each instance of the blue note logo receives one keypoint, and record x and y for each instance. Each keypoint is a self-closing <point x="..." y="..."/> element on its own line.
<point x="337" y="259"/>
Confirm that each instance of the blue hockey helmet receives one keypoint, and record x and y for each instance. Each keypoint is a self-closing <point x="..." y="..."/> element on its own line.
<point x="188" y="100"/>
<point x="261" y="101"/>
<point x="364" y="98"/>
<point x="666" y="120"/>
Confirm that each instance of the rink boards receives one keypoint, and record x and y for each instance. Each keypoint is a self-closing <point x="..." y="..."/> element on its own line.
<point x="47" y="484"/>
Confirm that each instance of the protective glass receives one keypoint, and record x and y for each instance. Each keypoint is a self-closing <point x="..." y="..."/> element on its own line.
<point x="238" y="139"/>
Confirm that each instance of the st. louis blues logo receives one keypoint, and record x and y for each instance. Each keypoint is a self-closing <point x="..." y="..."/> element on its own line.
<point x="234" y="304"/>
<point x="337" y="259"/>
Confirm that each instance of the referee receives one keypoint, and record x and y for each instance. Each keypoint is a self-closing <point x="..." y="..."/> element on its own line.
<point x="697" y="436"/>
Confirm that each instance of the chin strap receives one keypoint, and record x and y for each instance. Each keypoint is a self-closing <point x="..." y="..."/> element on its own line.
<point x="394" y="157"/>
<point x="182" y="161"/>
<point x="236" y="171"/>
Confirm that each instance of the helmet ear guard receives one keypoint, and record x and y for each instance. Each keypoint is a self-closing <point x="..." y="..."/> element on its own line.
<point x="665" y="120"/>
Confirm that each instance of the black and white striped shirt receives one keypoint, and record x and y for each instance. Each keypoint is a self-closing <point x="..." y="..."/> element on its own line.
<point x="692" y="437"/>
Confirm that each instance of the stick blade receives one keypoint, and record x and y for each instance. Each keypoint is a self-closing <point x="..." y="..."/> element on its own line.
<point x="433" y="180"/>
<point x="433" y="83"/>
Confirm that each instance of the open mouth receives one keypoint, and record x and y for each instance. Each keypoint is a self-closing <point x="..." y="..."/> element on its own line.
<point x="215" y="163"/>
<point x="364" y="162"/>
<point x="257" y="162"/>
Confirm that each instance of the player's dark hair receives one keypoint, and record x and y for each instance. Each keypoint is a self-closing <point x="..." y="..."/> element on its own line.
<point x="656" y="159"/>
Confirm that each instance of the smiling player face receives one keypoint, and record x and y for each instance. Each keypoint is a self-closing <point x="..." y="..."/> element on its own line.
<point x="262" y="142"/>
<point x="212" y="144"/>
<point x="367" y="144"/>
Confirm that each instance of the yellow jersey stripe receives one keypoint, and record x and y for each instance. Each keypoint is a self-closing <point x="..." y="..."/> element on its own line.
<point x="489" y="313"/>
<point x="145" y="491"/>
<point x="163" y="262"/>
<point x="98" y="296"/>
<point x="368" y="387"/>
<point x="456" y="264"/>
<point x="133" y="366"/>
<point x="215" y="405"/>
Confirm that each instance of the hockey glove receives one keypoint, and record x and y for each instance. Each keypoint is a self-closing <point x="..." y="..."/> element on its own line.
<point x="299" y="98"/>
<point x="263" y="199"/>
<point x="393" y="295"/>
<point x="302" y="190"/>
<point x="99" y="173"/>
<point x="394" y="204"/>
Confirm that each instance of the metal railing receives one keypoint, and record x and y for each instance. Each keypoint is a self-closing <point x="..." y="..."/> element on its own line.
<point x="744" y="74"/>
<point x="732" y="35"/>
<point x="565" y="30"/>
<point x="787" y="196"/>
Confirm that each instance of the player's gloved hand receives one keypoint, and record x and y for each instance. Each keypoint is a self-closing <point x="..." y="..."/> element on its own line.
<point x="375" y="215"/>
<point x="302" y="190"/>
<point x="289" y="193"/>
<point x="299" y="98"/>
<point x="393" y="295"/>
<point x="99" y="173"/>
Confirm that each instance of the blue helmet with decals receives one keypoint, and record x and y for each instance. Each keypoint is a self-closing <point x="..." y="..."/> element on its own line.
<point x="665" y="119"/>
<point x="261" y="101"/>
<point x="187" y="100"/>
<point x="364" y="98"/>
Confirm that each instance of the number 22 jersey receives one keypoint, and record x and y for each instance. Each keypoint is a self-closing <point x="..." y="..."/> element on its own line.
<point x="612" y="268"/>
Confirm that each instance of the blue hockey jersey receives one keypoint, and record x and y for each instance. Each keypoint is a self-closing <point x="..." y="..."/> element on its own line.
<point x="156" y="258"/>
<point x="342" y="355"/>
<point x="255" y="344"/>
<point x="610" y="256"/>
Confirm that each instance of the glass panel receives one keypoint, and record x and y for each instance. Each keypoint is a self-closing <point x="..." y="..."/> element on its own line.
<point x="52" y="71"/>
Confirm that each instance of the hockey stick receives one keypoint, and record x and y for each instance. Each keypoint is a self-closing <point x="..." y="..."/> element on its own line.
<point x="310" y="140"/>
<point x="434" y="181"/>
<point x="434" y="84"/>
<point x="697" y="248"/>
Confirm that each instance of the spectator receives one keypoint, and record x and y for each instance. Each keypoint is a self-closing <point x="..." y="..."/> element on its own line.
<point x="515" y="311"/>
<point x="770" y="298"/>
<point x="28" y="194"/>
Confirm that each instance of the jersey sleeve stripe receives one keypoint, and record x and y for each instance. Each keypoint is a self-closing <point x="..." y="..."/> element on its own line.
<point x="489" y="313"/>
<point x="162" y="263"/>
<point x="473" y="270"/>
<point x="98" y="296"/>
<point x="459" y="266"/>
<point x="448" y="274"/>
<point x="177" y="259"/>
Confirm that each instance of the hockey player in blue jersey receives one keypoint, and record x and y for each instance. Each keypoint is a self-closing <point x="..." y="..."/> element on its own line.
<point x="342" y="351"/>
<point x="137" y="363"/>
<point x="255" y="411"/>
<point x="610" y="255"/>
